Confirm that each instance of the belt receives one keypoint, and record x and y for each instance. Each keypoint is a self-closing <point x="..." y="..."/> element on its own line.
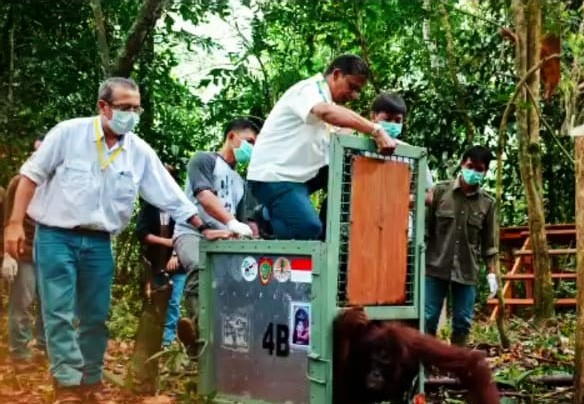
<point x="90" y="232"/>
<point x="80" y="230"/>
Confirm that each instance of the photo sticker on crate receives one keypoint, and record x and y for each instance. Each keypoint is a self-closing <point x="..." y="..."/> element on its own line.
<point x="299" y="325"/>
<point x="236" y="332"/>
<point x="282" y="270"/>
<point x="249" y="269"/>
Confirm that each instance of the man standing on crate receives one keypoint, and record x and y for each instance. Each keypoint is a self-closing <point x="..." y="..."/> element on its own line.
<point x="461" y="225"/>
<point x="290" y="158"/>
<point x="80" y="188"/>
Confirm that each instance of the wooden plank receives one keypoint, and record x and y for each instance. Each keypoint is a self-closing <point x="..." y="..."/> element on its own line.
<point x="377" y="266"/>
<point x="557" y="251"/>
<point x="530" y="276"/>
<point x="530" y="302"/>
<point x="560" y="232"/>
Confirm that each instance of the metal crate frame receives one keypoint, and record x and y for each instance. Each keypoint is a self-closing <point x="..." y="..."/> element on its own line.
<point x="325" y="271"/>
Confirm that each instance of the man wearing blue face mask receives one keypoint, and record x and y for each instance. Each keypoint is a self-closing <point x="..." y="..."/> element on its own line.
<point x="461" y="224"/>
<point x="80" y="188"/>
<point x="389" y="110"/>
<point x="218" y="191"/>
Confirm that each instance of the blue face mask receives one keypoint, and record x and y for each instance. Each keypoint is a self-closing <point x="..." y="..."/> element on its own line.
<point x="123" y="121"/>
<point x="472" y="177"/>
<point x="243" y="152"/>
<point x="393" y="129"/>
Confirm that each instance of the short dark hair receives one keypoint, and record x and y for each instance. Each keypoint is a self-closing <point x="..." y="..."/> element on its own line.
<point x="478" y="154"/>
<point x="106" y="89"/>
<point x="239" y="124"/>
<point x="349" y="64"/>
<point x="389" y="103"/>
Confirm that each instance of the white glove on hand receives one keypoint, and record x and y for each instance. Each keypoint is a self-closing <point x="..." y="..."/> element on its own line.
<point x="9" y="268"/>
<point x="239" y="228"/>
<point x="493" y="287"/>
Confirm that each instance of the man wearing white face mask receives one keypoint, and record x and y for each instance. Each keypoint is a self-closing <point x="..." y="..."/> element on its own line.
<point x="217" y="190"/>
<point x="80" y="188"/>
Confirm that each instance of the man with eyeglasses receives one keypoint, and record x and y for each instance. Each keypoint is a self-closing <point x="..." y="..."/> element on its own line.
<point x="80" y="188"/>
<point x="290" y="158"/>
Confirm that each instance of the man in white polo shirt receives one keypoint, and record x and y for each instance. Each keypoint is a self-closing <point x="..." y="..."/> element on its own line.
<point x="290" y="157"/>
<point x="81" y="186"/>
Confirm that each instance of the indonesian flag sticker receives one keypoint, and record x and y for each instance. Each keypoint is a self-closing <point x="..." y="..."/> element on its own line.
<point x="301" y="270"/>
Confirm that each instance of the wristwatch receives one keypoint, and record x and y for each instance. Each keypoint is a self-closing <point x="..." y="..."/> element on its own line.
<point x="376" y="128"/>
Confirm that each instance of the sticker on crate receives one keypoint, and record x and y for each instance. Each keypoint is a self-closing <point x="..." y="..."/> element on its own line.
<point x="301" y="270"/>
<point x="282" y="269"/>
<point x="249" y="269"/>
<point x="236" y="331"/>
<point x="300" y="325"/>
<point x="265" y="271"/>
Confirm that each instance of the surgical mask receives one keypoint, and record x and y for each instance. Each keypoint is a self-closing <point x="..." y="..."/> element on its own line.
<point x="472" y="177"/>
<point x="393" y="129"/>
<point x="123" y="121"/>
<point x="243" y="152"/>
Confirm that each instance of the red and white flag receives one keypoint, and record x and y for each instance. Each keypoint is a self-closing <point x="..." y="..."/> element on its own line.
<point x="301" y="270"/>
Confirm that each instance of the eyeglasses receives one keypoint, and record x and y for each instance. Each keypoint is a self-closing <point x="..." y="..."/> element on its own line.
<point x="127" y="107"/>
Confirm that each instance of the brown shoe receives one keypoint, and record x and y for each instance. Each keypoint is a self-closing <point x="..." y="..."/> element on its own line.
<point x="67" y="395"/>
<point x="95" y="393"/>
<point x="188" y="335"/>
<point x="23" y="365"/>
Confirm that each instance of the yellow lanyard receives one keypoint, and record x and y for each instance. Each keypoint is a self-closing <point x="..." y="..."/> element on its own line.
<point x="103" y="164"/>
<point x="320" y="84"/>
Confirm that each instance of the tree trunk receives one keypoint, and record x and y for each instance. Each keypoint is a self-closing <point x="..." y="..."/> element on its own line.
<point x="571" y="102"/>
<point x="528" y="27"/>
<point x="102" y="45"/>
<point x="579" y="365"/>
<point x="149" y="13"/>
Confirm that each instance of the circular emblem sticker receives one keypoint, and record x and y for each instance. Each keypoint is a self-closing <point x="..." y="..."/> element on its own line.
<point x="282" y="269"/>
<point x="249" y="269"/>
<point x="265" y="270"/>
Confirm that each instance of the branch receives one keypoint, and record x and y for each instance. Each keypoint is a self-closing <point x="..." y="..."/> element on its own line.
<point x="102" y="44"/>
<point x="149" y="13"/>
<point x="363" y="45"/>
<point x="460" y="103"/>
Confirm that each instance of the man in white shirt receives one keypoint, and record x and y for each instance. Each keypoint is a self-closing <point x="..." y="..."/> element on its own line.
<point x="80" y="187"/>
<point x="290" y="157"/>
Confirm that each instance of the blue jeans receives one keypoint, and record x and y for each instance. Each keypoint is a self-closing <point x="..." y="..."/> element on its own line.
<point x="20" y="304"/>
<point x="75" y="276"/>
<point x="463" y="299"/>
<point x="290" y="209"/>
<point x="173" y="309"/>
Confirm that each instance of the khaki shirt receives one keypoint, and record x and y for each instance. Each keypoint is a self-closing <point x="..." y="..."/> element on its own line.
<point x="459" y="228"/>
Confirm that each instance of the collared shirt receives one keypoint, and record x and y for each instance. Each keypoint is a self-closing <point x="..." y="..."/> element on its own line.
<point x="460" y="227"/>
<point x="209" y="171"/>
<point x="74" y="191"/>
<point x="293" y="143"/>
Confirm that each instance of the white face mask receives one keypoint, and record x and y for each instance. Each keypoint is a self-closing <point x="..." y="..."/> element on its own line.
<point x="123" y="121"/>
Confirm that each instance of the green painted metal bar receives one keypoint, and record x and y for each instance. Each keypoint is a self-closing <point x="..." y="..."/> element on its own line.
<point x="367" y="144"/>
<point x="206" y="315"/>
<point x="392" y="312"/>
<point x="273" y="246"/>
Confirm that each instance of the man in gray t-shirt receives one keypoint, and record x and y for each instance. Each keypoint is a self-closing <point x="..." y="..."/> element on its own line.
<point x="218" y="191"/>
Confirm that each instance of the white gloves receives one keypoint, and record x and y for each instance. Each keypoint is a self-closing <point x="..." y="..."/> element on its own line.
<point x="239" y="228"/>
<point x="493" y="287"/>
<point x="9" y="268"/>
